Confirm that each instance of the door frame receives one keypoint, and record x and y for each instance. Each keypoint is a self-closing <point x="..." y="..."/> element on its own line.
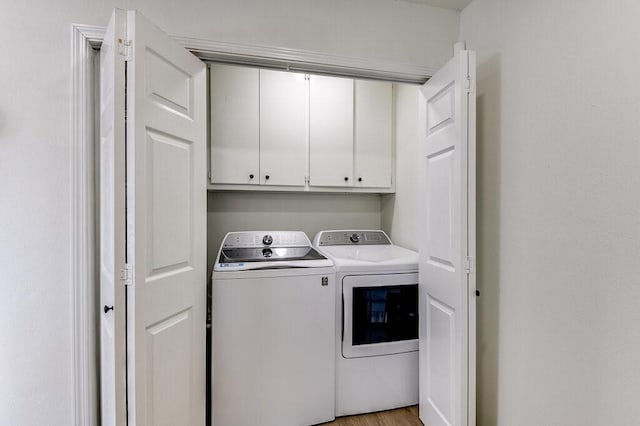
<point x="83" y="239"/>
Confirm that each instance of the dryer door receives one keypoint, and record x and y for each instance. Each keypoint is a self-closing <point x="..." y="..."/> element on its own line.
<point x="380" y="314"/>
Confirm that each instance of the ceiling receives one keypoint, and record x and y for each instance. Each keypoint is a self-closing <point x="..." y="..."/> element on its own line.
<point x="448" y="4"/>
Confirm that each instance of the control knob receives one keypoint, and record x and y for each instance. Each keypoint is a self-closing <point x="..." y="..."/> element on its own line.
<point x="355" y="238"/>
<point x="267" y="240"/>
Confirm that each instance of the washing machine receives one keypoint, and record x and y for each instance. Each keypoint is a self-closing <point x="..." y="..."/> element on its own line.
<point x="376" y="320"/>
<point x="273" y="325"/>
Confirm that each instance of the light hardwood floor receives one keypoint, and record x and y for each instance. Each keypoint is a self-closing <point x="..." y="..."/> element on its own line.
<point x="407" y="416"/>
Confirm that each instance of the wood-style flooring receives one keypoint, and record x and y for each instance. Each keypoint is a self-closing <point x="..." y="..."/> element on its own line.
<point x="407" y="416"/>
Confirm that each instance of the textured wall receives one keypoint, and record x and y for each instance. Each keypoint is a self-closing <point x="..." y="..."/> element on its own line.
<point x="400" y="210"/>
<point x="558" y="211"/>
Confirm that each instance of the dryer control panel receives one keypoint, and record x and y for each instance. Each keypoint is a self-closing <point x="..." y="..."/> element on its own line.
<point x="353" y="237"/>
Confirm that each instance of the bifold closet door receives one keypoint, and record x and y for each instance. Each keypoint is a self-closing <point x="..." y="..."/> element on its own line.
<point x="162" y="147"/>
<point x="447" y="245"/>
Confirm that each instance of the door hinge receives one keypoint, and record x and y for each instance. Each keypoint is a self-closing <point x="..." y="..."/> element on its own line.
<point x="306" y="179"/>
<point x="307" y="77"/>
<point x="126" y="274"/>
<point x="125" y="49"/>
<point x="469" y="265"/>
<point x="470" y="85"/>
<point x="209" y="174"/>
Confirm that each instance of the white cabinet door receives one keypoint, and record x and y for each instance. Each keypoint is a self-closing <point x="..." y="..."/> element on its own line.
<point x="373" y="118"/>
<point x="165" y="237"/>
<point x="282" y="128"/>
<point x="235" y="121"/>
<point x="447" y="245"/>
<point x="330" y="131"/>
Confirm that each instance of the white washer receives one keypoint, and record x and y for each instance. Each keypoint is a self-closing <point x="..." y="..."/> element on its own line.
<point x="376" y="320"/>
<point x="273" y="342"/>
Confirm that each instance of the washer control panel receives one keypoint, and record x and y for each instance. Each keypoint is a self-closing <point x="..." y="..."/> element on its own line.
<point x="250" y="239"/>
<point x="356" y="237"/>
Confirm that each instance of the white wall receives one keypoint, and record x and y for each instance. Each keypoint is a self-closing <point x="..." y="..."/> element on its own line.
<point x="400" y="210"/>
<point x="36" y="368"/>
<point x="558" y="211"/>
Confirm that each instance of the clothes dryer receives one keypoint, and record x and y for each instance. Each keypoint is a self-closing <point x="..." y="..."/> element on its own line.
<point x="376" y="320"/>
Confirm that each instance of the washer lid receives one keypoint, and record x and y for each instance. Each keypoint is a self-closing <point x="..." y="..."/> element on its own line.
<point x="249" y="250"/>
<point x="268" y="254"/>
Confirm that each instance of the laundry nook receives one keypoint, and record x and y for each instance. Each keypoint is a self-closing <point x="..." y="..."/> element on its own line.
<point x="335" y="213"/>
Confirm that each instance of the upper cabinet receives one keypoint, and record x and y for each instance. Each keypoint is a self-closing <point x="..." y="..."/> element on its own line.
<point x="330" y="131"/>
<point x="235" y="124"/>
<point x="373" y="134"/>
<point x="290" y="131"/>
<point x="257" y="126"/>
<point x="350" y="132"/>
<point x="282" y="128"/>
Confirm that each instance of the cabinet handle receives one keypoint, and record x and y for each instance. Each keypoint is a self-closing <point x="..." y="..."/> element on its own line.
<point x="107" y="308"/>
<point x="346" y="179"/>
<point x="251" y="176"/>
<point x="359" y="179"/>
<point x="266" y="177"/>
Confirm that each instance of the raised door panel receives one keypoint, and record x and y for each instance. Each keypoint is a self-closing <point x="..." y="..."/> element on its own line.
<point x="441" y="209"/>
<point x="169" y="351"/>
<point x="282" y="128"/>
<point x="330" y="131"/>
<point x="235" y="124"/>
<point x="373" y="134"/>
<point x="169" y="215"/>
<point x="439" y="366"/>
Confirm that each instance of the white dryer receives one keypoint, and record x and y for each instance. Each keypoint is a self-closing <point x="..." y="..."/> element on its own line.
<point x="376" y="320"/>
<point x="273" y="342"/>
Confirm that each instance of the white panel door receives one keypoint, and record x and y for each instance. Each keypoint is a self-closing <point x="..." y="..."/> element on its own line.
<point x="282" y="128"/>
<point x="235" y="121"/>
<point x="112" y="226"/>
<point x="330" y="131"/>
<point x="447" y="248"/>
<point x="165" y="224"/>
<point x="373" y="118"/>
